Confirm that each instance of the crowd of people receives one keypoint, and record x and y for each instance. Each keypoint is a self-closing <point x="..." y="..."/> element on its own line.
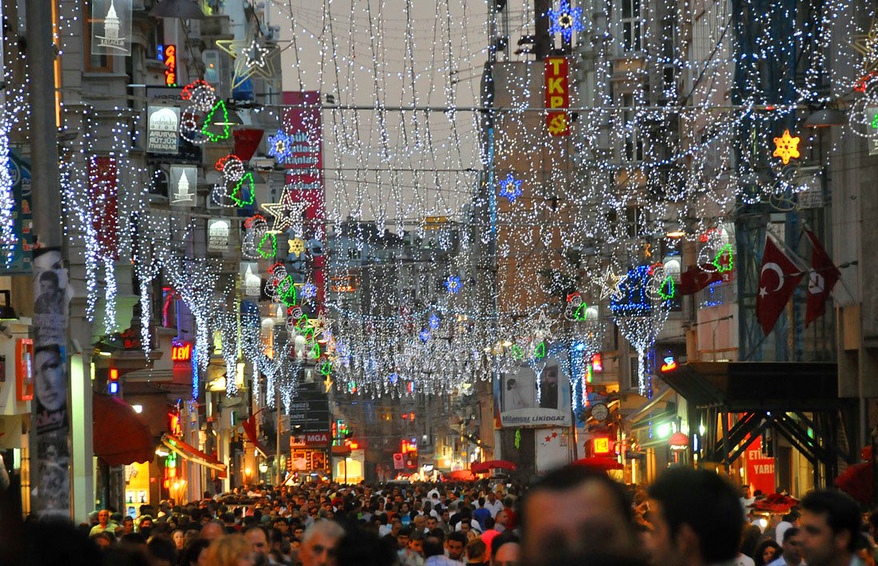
<point x="573" y="515"/>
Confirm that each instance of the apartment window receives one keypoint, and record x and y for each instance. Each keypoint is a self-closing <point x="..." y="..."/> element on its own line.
<point x="633" y="143"/>
<point x="632" y="25"/>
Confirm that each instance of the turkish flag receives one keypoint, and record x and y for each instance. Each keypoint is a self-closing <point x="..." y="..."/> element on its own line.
<point x="778" y="278"/>
<point x="822" y="277"/>
<point x="698" y="277"/>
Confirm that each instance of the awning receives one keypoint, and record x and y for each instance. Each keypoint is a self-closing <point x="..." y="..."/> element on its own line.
<point x="120" y="435"/>
<point x="644" y="411"/>
<point x="249" y="426"/>
<point x="193" y="454"/>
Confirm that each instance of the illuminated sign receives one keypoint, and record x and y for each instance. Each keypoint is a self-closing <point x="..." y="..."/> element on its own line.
<point x="113" y="381"/>
<point x="670" y="364"/>
<point x="601" y="445"/>
<point x="169" y="56"/>
<point x="344" y="284"/>
<point x="596" y="363"/>
<point x="557" y="96"/>
<point x="181" y="352"/>
<point x="24" y="369"/>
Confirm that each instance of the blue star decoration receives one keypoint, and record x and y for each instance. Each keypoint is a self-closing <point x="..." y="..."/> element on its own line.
<point x="453" y="284"/>
<point x="280" y="146"/>
<point x="510" y="187"/>
<point x="309" y="290"/>
<point x="565" y="20"/>
<point x="434" y="321"/>
<point x="424" y="335"/>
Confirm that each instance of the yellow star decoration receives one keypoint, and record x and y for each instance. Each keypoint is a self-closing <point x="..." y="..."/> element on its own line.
<point x="786" y="147"/>
<point x="867" y="45"/>
<point x="297" y="246"/>
<point x="287" y="212"/>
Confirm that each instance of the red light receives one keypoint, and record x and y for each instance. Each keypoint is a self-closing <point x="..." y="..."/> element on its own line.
<point x="113" y="375"/>
<point x="353" y="445"/>
<point x="670" y="364"/>
<point x="596" y="363"/>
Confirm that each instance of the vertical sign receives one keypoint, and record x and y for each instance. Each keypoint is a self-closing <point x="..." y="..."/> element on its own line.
<point x="111" y="27"/>
<point x="303" y="121"/>
<point x="168" y="54"/>
<point x="557" y="96"/>
<point x="183" y="182"/>
<point x="760" y="468"/>
<point x="51" y="421"/>
<point x="22" y="217"/>
<point x="104" y="199"/>
<point x="163" y="126"/>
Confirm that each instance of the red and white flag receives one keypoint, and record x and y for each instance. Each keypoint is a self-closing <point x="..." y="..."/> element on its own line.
<point x="778" y="278"/>
<point x="822" y="277"/>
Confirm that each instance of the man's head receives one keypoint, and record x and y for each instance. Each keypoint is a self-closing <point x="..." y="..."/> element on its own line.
<point x="575" y="510"/>
<point x="103" y="517"/>
<point x="416" y="543"/>
<point x="49" y="282"/>
<point x="319" y="543"/>
<point x="792" y="546"/>
<point x="465" y="525"/>
<point x="213" y="530"/>
<point x="830" y="525"/>
<point x="696" y="518"/>
<point x="419" y="521"/>
<point x="455" y="544"/>
<point x="50" y="379"/>
<point x="257" y="539"/>
<point x="476" y="552"/>
<point x="432" y="523"/>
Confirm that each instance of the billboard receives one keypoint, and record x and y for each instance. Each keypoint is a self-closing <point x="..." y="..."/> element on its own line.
<point x="534" y="399"/>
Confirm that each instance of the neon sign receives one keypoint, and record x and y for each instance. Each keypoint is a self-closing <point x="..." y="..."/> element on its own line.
<point x="169" y="56"/>
<point x="181" y="352"/>
<point x="670" y="364"/>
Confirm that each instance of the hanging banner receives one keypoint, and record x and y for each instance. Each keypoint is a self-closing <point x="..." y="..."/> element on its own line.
<point x="162" y="130"/>
<point x="111" y="27"/>
<point x="183" y="182"/>
<point x="304" y="129"/>
<point x="103" y="195"/>
<point x="760" y="467"/>
<point x="557" y="96"/>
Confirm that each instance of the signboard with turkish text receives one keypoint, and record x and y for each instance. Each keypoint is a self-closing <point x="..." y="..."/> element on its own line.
<point x="304" y="127"/>
<point x="557" y="96"/>
<point x="162" y="130"/>
<point x="760" y="468"/>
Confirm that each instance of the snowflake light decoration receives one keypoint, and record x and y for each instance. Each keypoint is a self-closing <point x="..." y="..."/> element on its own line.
<point x="565" y="20"/>
<point x="510" y="188"/>
<point x="424" y="335"/>
<point x="434" y="321"/>
<point x="786" y="147"/>
<point x="453" y="284"/>
<point x="280" y="146"/>
<point x="309" y="290"/>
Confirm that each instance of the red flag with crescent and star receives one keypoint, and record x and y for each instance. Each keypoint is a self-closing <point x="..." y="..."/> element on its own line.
<point x="822" y="277"/>
<point x="778" y="278"/>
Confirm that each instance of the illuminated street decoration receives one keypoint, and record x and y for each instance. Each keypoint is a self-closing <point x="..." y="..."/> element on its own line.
<point x="510" y="188"/>
<point x="786" y="147"/>
<point x="565" y="20"/>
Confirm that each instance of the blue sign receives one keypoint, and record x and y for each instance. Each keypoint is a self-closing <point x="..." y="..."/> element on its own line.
<point x="22" y="216"/>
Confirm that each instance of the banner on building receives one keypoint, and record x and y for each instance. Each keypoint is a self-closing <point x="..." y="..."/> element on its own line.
<point x="22" y="216"/>
<point x="183" y="181"/>
<point x="162" y="130"/>
<point x="111" y="27"/>
<point x="531" y="399"/>
<point x="557" y="96"/>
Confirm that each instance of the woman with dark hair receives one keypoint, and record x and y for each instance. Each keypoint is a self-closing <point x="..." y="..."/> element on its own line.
<point x="767" y="551"/>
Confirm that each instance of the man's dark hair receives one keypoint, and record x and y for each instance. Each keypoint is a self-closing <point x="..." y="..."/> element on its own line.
<point x="572" y="475"/>
<point x="458" y="537"/>
<point x="161" y="547"/>
<point x="489" y="523"/>
<point x="790" y="533"/>
<point x="709" y="504"/>
<point x="842" y="512"/>
<point x="432" y="547"/>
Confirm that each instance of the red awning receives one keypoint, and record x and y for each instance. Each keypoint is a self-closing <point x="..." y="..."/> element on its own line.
<point x="600" y="463"/>
<point x="484" y="467"/>
<point x="459" y="475"/>
<point x="120" y="435"/>
<point x="193" y="454"/>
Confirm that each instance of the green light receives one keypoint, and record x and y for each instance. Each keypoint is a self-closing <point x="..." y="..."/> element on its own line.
<point x="717" y="260"/>
<point x="247" y="178"/>
<point x="540" y="352"/>
<point x="667" y="290"/>
<point x="517" y="352"/>
<point x="208" y="123"/>
<point x="271" y="237"/>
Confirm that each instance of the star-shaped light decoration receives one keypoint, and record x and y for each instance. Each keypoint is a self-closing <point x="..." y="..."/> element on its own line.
<point x="867" y="46"/>
<point x="609" y="284"/>
<point x="565" y="20"/>
<point x="424" y="335"/>
<point x="540" y="327"/>
<point x="309" y="290"/>
<point x="297" y="246"/>
<point x="453" y="284"/>
<point x="434" y="321"/>
<point x="286" y="212"/>
<point x="251" y="58"/>
<point x="786" y="147"/>
<point x="510" y="188"/>
<point x="280" y="146"/>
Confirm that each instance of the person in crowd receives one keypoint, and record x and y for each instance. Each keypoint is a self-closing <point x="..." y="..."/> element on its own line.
<point x="363" y="548"/>
<point x="789" y="520"/>
<point x="490" y="532"/>
<point x="492" y="504"/>
<point x="161" y="551"/>
<point x="766" y="552"/>
<point x="830" y="526"/>
<point x="258" y="540"/>
<point x="791" y="549"/>
<point x="506" y="550"/>
<point x="230" y="550"/>
<point x="104" y="523"/>
<point x="573" y="511"/>
<point x="192" y="554"/>
<point x="477" y="553"/>
<point x="434" y="554"/>
<point x="319" y="543"/>
<point x="179" y="537"/>
<point x="696" y="519"/>
<point x="103" y="539"/>
<point x="213" y="530"/>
